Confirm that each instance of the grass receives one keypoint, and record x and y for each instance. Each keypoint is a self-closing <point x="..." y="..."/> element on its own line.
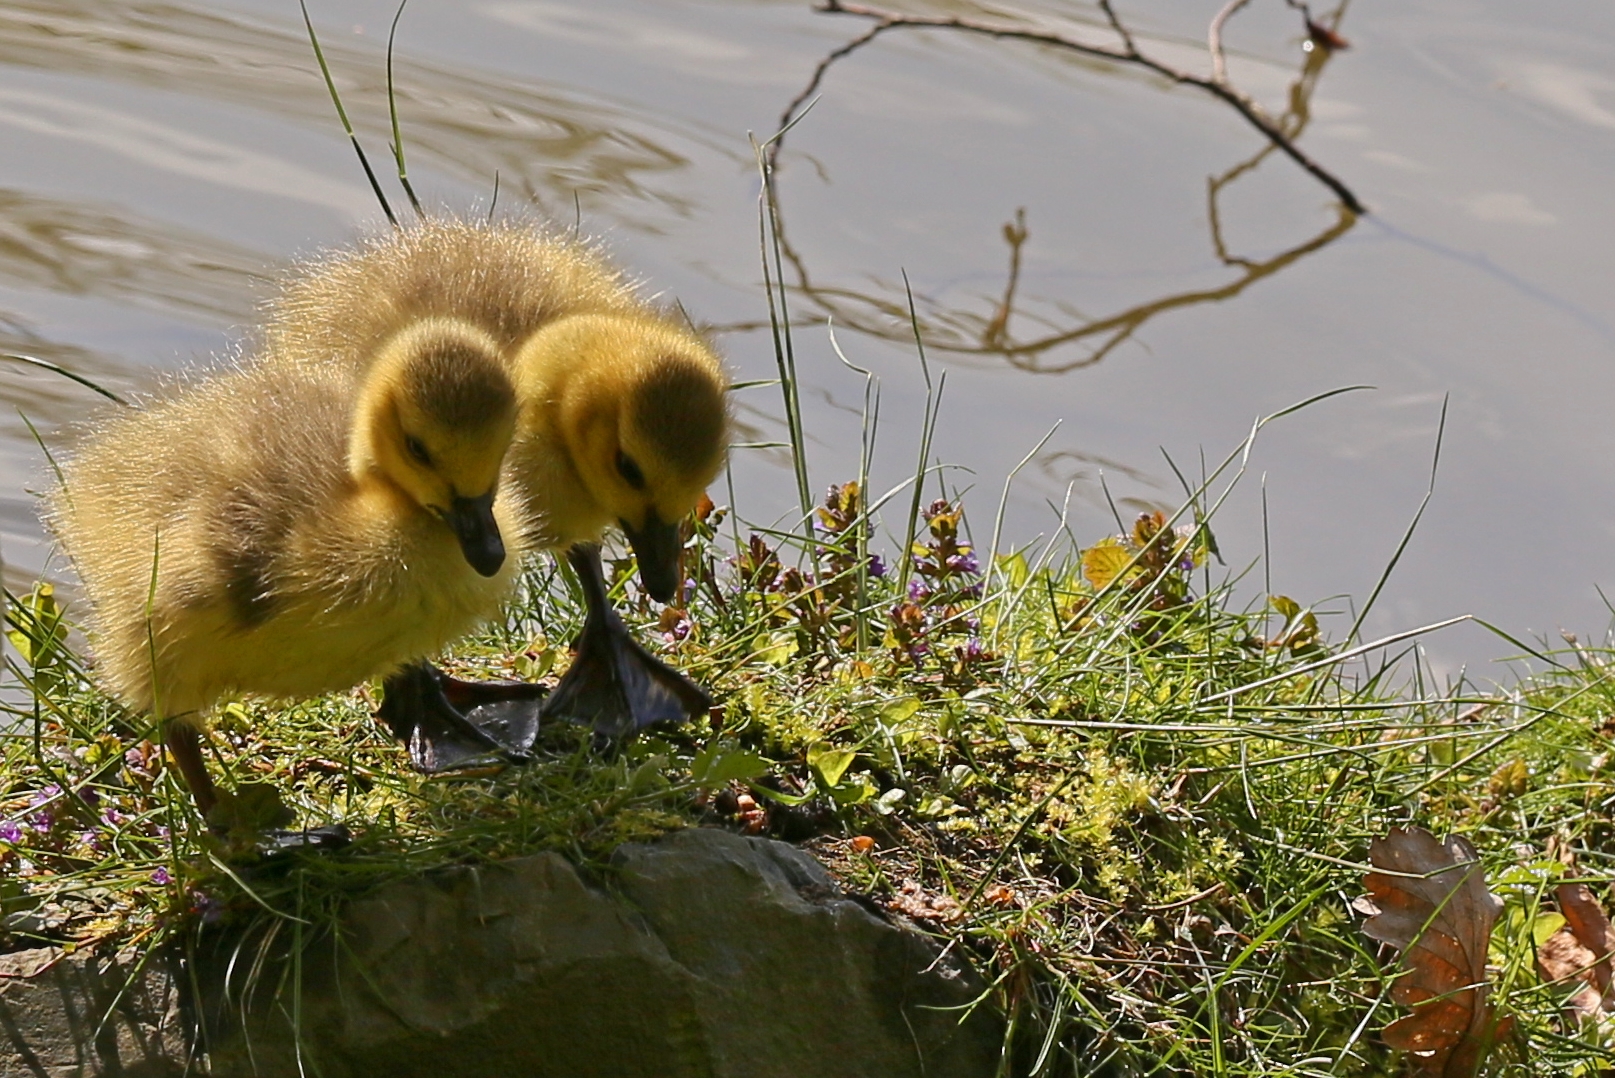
<point x="1140" y="810"/>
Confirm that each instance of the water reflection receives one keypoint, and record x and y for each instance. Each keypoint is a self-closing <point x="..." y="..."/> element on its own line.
<point x="1058" y="328"/>
<point x="546" y="144"/>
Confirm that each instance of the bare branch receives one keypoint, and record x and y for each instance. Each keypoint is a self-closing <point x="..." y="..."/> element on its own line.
<point x="1219" y="63"/>
<point x="791" y="110"/>
<point x="1128" y="54"/>
<point x="1121" y="30"/>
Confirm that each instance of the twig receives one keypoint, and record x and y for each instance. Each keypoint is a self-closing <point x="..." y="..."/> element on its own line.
<point x="1219" y="62"/>
<point x="1128" y="53"/>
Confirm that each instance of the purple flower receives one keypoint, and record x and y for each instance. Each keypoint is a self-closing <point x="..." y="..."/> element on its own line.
<point x="917" y="591"/>
<point x="42" y="821"/>
<point x="973" y="591"/>
<point x="113" y="818"/>
<point x="47" y="794"/>
<point x="89" y="796"/>
<point x="161" y="877"/>
<point x="10" y="831"/>
<point x="689" y="591"/>
<point x="877" y="568"/>
<point x="964" y="562"/>
<point x="974" y="649"/>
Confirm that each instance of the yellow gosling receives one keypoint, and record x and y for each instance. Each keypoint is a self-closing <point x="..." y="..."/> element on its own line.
<point x="283" y="530"/>
<point x="622" y="407"/>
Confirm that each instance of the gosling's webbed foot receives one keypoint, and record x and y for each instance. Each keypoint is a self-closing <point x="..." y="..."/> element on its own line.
<point x="279" y="841"/>
<point x="614" y="685"/>
<point x="249" y="821"/>
<point x="450" y="724"/>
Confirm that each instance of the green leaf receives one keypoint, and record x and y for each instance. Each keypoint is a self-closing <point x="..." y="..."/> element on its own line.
<point x="899" y="711"/>
<point x="1104" y="562"/>
<point x="1014" y="568"/>
<point x="717" y="765"/>
<point x="1285" y="606"/>
<point x="1546" y="924"/>
<point x="775" y="649"/>
<point x="831" y="763"/>
<point x="782" y="798"/>
<point x="887" y="803"/>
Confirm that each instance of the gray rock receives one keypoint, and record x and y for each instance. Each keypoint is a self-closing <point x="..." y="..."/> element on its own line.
<point x="64" y="1016"/>
<point x="711" y="956"/>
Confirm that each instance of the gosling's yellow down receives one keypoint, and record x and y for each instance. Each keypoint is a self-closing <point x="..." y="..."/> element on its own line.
<point x="283" y="530"/>
<point x="622" y="407"/>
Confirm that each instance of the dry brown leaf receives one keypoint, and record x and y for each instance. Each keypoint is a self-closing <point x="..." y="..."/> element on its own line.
<point x="1586" y="919"/>
<point x="1581" y="951"/>
<point x="1439" y="914"/>
<point x="1562" y="958"/>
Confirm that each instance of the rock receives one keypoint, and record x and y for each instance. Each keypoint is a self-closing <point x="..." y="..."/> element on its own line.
<point x="709" y="955"/>
<point x="67" y="1015"/>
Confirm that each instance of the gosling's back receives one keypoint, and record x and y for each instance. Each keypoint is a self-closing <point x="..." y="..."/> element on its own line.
<point x="506" y="279"/>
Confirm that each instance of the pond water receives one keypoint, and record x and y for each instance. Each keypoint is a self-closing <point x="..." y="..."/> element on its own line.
<point x="159" y="162"/>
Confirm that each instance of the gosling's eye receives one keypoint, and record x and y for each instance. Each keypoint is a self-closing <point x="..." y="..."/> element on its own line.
<point x="417" y="449"/>
<point x="630" y="471"/>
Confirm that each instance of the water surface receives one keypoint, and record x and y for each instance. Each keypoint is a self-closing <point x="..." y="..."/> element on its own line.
<point x="161" y="162"/>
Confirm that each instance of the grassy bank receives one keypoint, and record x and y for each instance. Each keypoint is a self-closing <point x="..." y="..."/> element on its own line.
<point x="1141" y="810"/>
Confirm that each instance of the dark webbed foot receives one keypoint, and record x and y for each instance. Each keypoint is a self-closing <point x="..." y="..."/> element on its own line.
<point x="614" y="685"/>
<point x="450" y="724"/>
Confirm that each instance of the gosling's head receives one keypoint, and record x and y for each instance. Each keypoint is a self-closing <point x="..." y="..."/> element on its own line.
<point x="435" y="418"/>
<point x="644" y="417"/>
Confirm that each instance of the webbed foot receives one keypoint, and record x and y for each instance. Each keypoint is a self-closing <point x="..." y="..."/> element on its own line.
<point x="614" y="685"/>
<point x="450" y="724"/>
<point x="249" y="821"/>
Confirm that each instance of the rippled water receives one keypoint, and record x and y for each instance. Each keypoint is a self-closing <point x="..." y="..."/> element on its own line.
<point x="160" y="162"/>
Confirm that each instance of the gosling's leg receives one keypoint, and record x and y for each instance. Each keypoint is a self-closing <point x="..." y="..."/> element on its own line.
<point x="448" y="723"/>
<point x="614" y="685"/>
<point x="183" y="739"/>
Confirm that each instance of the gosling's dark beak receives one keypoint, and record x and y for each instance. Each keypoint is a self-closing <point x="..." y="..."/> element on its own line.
<point x="656" y="545"/>
<point x="474" y="525"/>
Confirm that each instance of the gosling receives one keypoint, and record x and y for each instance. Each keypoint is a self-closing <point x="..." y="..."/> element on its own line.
<point x="622" y="420"/>
<point x="282" y="530"/>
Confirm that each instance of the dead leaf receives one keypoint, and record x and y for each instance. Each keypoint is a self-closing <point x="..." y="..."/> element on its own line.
<point x="912" y="900"/>
<point x="1563" y="959"/>
<point x="1438" y="912"/>
<point x="1581" y="951"/>
<point x="1586" y="919"/>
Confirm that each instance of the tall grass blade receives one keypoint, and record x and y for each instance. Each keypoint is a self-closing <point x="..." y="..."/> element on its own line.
<point x="392" y="112"/>
<point x="342" y="114"/>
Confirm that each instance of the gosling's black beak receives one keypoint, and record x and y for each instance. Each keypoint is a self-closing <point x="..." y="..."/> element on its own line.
<point x="478" y="532"/>
<point x="656" y="545"/>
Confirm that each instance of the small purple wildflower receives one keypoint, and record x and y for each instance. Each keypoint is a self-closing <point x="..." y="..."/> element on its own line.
<point x="42" y="821"/>
<point x="113" y="818"/>
<point x="49" y="793"/>
<point x="964" y="562"/>
<point x="689" y="591"/>
<point x="10" y="831"/>
<point x="917" y="591"/>
<point x="877" y="567"/>
<point x="161" y="877"/>
<point x="679" y="631"/>
<point x="974" y="649"/>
